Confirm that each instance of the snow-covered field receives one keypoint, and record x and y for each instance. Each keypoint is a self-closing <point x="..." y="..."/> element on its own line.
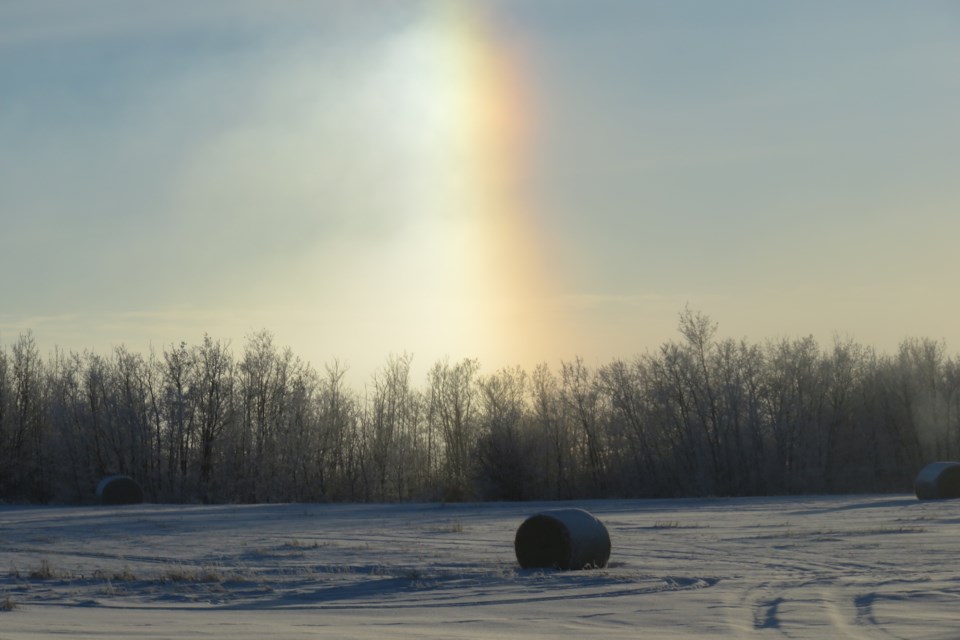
<point x="802" y="567"/>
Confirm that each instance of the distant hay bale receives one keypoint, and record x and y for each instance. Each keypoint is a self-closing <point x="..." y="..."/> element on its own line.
<point x="563" y="539"/>
<point x="119" y="490"/>
<point x="938" y="480"/>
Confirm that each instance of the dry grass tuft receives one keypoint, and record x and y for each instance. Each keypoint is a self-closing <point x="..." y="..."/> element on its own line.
<point x="123" y="575"/>
<point x="297" y="544"/>
<point x="45" y="571"/>
<point x="452" y="526"/>
<point x="207" y="575"/>
<point x="674" y="524"/>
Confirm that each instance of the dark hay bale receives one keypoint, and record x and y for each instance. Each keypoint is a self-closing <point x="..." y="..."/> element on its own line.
<point x="119" y="490"/>
<point x="938" y="480"/>
<point x="562" y="539"/>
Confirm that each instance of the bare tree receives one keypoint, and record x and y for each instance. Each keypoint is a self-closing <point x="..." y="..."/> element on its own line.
<point x="553" y="430"/>
<point x="337" y="445"/>
<point x="581" y="402"/>
<point x="179" y="416"/>
<point x="211" y="390"/>
<point x="634" y="432"/>
<point x="263" y="388"/>
<point x="7" y="477"/>
<point x="65" y="410"/>
<point x="452" y="412"/>
<point x="505" y="448"/>
<point x="392" y="429"/>
<point x="28" y="457"/>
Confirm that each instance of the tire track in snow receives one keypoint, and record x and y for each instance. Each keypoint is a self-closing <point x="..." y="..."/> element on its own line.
<point x="95" y="555"/>
<point x="807" y="576"/>
<point x="422" y="600"/>
<point x="767" y="614"/>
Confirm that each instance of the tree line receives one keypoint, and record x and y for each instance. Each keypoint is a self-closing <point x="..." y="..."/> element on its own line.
<point x="697" y="416"/>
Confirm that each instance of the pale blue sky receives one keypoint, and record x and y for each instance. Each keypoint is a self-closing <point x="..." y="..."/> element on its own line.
<point x="169" y="169"/>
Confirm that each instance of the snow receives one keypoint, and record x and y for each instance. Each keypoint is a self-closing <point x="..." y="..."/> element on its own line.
<point x="798" y="567"/>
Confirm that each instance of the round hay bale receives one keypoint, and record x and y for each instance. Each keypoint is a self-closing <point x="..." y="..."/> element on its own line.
<point x="119" y="490"/>
<point x="938" y="480"/>
<point x="563" y="539"/>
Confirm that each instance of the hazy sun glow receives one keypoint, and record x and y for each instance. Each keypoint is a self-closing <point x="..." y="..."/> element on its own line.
<point x="519" y="182"/>
<point x="507" y="284"/>
<point x="468" y="274"/>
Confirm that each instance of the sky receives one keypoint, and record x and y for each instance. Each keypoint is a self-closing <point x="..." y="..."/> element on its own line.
<point x="518" y="181"/>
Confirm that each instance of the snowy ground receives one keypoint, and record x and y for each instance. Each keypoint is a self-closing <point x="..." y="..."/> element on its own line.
<point x="807" y="567"/>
